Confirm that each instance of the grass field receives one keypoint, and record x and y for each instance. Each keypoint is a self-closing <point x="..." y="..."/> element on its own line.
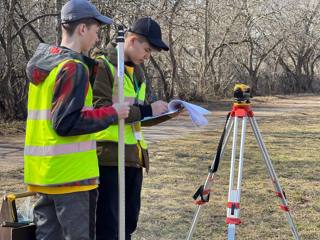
<point x="179" y="167"/>
<point x="291" y="131"/>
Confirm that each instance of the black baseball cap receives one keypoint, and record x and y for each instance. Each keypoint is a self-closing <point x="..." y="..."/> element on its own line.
<point x="75" y="10"/>
<point x="151" y="30"/>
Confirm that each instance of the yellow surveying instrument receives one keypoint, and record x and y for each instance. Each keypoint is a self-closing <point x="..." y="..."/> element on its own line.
<point x="241" y="94"/>
<point x="241" y="109"/>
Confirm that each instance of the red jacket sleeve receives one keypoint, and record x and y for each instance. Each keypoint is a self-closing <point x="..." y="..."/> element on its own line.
<point x="69" y="117"/>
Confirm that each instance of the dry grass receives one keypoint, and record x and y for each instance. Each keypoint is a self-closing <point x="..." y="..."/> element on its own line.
<point x="291" y="131"/>
<point x="11" y="163"/>
<point x="179" y="166"/>
<point x="9" y="128"/>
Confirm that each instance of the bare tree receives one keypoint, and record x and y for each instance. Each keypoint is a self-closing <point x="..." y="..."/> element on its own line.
<point x="272" y="45"/>
<point x="301" y="51"/>
<point x="15" y="43"/>
<point x="6" y="93"/>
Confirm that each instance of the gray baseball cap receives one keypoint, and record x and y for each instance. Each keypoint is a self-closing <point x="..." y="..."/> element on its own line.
<point x="75" y="10"/>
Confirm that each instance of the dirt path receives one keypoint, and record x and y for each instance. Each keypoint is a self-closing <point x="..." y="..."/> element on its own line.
<point x="262" y="107"/>
<point x="11" y="148"/>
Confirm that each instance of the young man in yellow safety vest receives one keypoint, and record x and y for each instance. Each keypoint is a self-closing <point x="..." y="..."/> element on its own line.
<point x="143" y="38"/>
<point x="60" y="160"/>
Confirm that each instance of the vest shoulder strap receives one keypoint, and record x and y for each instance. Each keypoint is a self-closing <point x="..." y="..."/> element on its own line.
<point x="112" y="68"/>
<point x="107" y="63"/>
<point x="73" y="60"/>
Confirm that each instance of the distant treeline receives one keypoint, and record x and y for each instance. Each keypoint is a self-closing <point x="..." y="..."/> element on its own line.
<point x="271" y="45"/>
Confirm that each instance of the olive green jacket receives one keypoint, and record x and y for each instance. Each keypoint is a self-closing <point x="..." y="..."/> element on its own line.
<point x="102" y="91"/>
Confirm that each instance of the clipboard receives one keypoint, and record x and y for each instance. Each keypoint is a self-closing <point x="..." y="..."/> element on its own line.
<point x="151" y="121"/>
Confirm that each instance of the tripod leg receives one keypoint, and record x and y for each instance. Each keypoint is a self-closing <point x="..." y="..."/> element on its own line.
<point x="241" y="159"/>
<point x="209" y="178"/>
<point x="279" y="192"/>
<point x="232" y="193"/>
<point x="233" y="210"/>
<point x="233" y="154"/>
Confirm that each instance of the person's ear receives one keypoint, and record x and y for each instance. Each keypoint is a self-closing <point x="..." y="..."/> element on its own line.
<point x="132" y="39"/>
<point x="82" y="29"/>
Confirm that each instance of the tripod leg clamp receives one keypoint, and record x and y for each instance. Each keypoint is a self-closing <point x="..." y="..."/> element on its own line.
<point x="235" y="221"/>
<point x="203" y="194"/>
<point x="283" y="196"/>
<point x="233" y="206"/>
<point x="284" y="208"/>
<point x="232" y="216"/>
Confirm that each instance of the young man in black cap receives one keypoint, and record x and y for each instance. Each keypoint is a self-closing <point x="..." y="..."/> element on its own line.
<point x="140" y="41"/>
<point x="60" y="160"/>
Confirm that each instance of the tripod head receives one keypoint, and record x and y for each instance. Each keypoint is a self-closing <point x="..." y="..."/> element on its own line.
<point x="241" y="94"/>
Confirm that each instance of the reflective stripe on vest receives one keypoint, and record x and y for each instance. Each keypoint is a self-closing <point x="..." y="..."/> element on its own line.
<point x="60" y="149"/>
<point x="39" y="114"/>
<point x="131" y="134"/>
<point x="46" y="114"/>
<point x="50" y="159"/>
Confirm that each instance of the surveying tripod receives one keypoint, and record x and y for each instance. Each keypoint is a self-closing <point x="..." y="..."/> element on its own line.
<point x="241" y="110"/>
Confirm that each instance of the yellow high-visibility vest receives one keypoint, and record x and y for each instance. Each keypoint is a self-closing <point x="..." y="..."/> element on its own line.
<point x="132" y="132"/>
<point x="50" y="159"/>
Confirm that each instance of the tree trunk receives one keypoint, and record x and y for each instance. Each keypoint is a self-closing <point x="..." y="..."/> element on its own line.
<point x="205" y="55"/>
<point x="162" y="78"/>
<point x="253" y="82"/>
<point x="58" y="22"/>
<point x="7" y="95"/>
<point x="174" y="76"/>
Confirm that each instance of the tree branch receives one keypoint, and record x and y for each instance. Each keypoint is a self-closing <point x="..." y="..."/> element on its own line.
<point x="31" y="21"/>
<point x="223" y="45"/>
<point x="23" y="41"/>
<point x="162" y="77"/>
<point x="3" y="42"/>
<point x="22" y="16"/>
<point x="267" y="53"/>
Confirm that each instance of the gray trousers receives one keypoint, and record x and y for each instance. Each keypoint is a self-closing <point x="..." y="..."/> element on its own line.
<point x="69" y="216"/>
